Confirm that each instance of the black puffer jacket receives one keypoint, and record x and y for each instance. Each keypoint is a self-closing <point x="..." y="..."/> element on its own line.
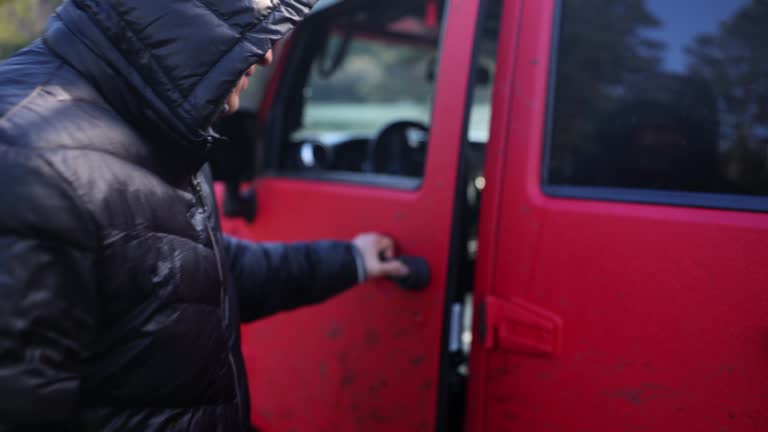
<point x="120" y="300"/>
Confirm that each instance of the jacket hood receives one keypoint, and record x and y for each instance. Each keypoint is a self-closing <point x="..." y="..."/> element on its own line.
<point x="167" y="66"/>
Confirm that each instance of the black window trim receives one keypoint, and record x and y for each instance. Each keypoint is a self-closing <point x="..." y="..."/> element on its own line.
<point x="660" y="197"/>
<point x="754" y="203"/>
<point x="352" y="178"/>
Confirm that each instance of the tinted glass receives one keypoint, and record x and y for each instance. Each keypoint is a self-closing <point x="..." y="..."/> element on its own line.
<point x="659" y="94"/>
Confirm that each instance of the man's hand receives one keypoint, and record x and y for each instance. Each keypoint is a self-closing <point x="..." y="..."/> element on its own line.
<point x="378" y="252"/>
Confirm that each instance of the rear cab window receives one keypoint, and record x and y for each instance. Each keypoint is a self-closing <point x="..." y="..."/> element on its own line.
<point x="653" y="105"/>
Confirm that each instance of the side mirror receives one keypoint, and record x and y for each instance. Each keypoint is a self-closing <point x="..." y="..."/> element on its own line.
<point x="235" y="162"/>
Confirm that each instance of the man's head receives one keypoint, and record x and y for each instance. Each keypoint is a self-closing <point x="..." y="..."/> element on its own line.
<point x="233" y="101"/>
<point x="169" y="67"/>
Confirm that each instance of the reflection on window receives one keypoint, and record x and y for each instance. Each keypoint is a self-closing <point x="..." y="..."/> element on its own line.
<point x="654" y="94"/>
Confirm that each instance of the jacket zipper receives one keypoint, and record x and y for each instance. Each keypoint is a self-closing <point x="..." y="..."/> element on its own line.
<point x="224" y="307"/>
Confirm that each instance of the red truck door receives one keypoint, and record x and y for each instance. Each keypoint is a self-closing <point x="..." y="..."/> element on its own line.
<point x="621" y="279"/>
<point x="361" y="135"/>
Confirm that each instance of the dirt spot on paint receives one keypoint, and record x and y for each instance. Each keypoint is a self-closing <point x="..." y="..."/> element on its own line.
<point x="634" y="396"/>
<point x="424" y="425"/>
<point x="428" y="384"/>
<point x="503" y="398"/>
<point x="402" y="333"/>
<point x="511" y="416"/>
<point x="417" y="361"/>
<point x="727" y="369"/>
<point x="379" y="418"/>
<point x="378" y="386"/>
<point x="372" y="337"/>
<point x="622" y="366"/>
<point x="342" y="360"/>
<point x="637" y="395"/>
<point x="502" y="372"/>
<point x="355" y="407"/>
<point x="348" y="379"/>
<point x="335" y="332"/>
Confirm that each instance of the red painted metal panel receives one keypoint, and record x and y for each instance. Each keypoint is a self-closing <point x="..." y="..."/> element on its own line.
<point x="663" y="308"/>
<point x="368" y="360"/>
<point x="490" y="213"/>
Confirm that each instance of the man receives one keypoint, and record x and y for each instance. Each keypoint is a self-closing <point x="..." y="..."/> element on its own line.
<point x="120" y="300"/>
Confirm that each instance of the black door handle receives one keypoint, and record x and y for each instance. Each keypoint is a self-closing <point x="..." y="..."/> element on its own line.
<point x="419" y="274"/>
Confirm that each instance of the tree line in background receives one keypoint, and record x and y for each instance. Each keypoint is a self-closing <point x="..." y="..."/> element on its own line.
<point x="609" y="61"/>
<point x="21" y="21"/>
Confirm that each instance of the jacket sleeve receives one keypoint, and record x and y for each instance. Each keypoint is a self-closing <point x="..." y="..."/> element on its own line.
<point x="271" y="278"/>
<point x="47" y="304"/>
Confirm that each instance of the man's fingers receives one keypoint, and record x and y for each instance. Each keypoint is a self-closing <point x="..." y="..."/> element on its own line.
<point x="392" y="269"/>
<point x="389" y="253"/>
<point x="384" y="242"/>
<point x="379" y="253"/>
<point x="386" y="246"/>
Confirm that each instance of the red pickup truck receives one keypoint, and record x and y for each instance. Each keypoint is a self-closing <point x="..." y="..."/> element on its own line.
<point x="588" y="181"/>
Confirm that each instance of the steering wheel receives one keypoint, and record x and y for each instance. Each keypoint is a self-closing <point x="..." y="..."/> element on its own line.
<point x="400" y="148"/>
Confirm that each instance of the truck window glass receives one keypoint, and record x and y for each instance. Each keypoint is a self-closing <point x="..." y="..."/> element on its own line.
<point x="379" y="82"/>
<point x="661" y="95"/>
<point x="367" y="100"/>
